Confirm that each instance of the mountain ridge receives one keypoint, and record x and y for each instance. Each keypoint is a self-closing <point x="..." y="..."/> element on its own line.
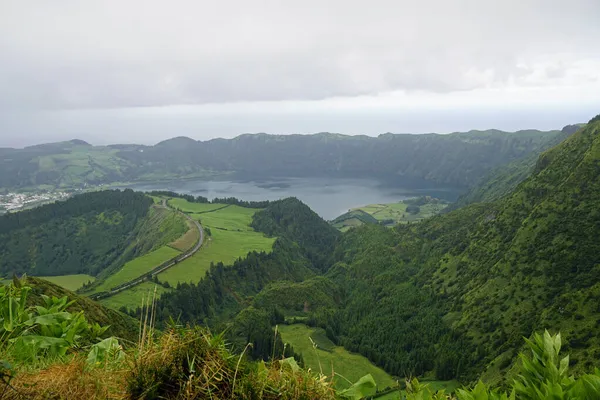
<point x="456" y="159"/>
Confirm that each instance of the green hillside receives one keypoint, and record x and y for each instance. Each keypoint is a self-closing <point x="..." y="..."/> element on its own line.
<point x="320" y="354"/>
<point x="85" y="234"/>
<point x="502" y="180"/>
<point x="448" y="299"/>
<point x="458" y="292"/>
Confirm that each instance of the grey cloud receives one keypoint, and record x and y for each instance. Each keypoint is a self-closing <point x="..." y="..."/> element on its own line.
<point x="110" y="54"/>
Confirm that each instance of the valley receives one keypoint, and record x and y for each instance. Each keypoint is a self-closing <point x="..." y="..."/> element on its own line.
<point x="411" y="287"/>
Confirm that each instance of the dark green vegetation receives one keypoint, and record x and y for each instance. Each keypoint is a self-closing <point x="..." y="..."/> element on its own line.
<point x="82" y="235"/>
<point x="458" y="159"/>
<point x="460" y="290"/>
<point x="409" y="210"/>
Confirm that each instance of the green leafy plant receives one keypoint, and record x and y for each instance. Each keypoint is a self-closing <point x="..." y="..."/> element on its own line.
<point x="27" y="333"/>
<point x="543" y="375"/>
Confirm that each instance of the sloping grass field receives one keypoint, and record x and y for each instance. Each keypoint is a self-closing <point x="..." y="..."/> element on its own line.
<point x="137" y="267"/>
<point x="327" y="357"/>
<point x="70" y="282"/>
<point x="231" y="238"/>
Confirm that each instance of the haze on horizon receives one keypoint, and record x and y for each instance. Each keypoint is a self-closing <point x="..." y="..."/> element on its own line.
<point x="144" y="71"/>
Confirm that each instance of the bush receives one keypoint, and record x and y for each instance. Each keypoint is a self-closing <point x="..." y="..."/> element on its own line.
<point x="413" y="209"/>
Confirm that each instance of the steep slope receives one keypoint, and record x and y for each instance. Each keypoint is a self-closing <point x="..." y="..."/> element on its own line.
<point x="84" y="234"/>
<point x="456" y="293"/>
<point x="502" y="180"/>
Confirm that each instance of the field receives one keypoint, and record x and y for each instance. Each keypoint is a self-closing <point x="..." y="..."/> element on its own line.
<point x="389" y="214"/>
<point x="231" y="237"/>
<point x="138" y="267"/>
<point x="70" y="282"/>
<point x="329" y="356"/>
<point x="80" y="163"/>
<point x="132" y="297"/>
<point x="188" y="207"/>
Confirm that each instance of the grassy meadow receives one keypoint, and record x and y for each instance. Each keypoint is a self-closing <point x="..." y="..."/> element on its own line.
<point x="327" y="356"/>
<point x="137" y="267"/>
<point x="231" y="237"/>
<point x="70" y="282"/>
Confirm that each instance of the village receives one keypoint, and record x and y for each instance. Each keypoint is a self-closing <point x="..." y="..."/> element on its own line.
<point x="18" y="201"/>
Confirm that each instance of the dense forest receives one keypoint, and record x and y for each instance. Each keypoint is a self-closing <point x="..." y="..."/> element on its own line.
<point x="84" y="234"/>
<point x="458" y="160"/>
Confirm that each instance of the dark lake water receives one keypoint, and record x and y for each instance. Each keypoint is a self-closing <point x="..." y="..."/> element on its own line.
<point x="329" y="197"/>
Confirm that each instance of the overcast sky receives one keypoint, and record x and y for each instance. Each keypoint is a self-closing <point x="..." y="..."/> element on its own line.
<point x="143" y="70"/>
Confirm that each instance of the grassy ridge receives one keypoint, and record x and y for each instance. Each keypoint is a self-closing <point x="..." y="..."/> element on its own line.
<point x="328" y="356"/>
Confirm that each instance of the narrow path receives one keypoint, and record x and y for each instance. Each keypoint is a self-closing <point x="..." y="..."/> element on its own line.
<point x="160" y="268"/>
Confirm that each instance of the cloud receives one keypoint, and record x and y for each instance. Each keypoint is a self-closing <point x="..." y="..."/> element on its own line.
<point x="68" y="54"/>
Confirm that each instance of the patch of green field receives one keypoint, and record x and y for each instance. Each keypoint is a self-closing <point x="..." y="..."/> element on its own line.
<point x="138" y="267"/>
<point x="391" y="213"/>
<point x="327" y="356"/>
<point x="188" y="207"/>
<point x="132" y="297"/>
<point x="231" y="238"/>
<point x="224" y="246"/>
<point x="156" y="199"/>
<point x="70" y="282"/>
<point x="232" y="218"/>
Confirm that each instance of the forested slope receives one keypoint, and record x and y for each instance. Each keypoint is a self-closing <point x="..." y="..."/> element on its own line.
<point x="84" y="234"/>
<point x="456" y="293"/>
<point x="502" y="180"/>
